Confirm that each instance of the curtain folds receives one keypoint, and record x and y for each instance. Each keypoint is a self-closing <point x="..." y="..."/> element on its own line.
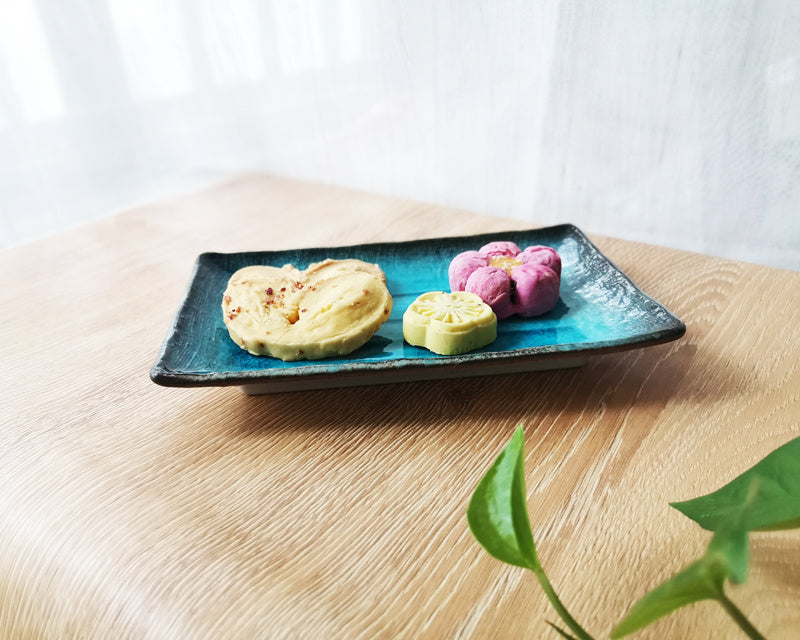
<point x="671" y="123"/>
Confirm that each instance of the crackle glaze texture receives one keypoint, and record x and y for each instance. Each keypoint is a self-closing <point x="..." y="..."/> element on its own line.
<point x="598" y="309"/>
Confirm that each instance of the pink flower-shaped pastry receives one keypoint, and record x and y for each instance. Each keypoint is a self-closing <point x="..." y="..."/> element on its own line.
<point x="509" y="280"/>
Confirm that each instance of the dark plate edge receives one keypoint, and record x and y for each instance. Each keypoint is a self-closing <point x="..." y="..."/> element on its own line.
<point x="167" y="378"/>
<point x="157" y="370"/>
<point x="432" y="240"/>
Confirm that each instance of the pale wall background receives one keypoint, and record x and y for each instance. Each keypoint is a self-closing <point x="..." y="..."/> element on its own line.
<point x="671" y="122"/>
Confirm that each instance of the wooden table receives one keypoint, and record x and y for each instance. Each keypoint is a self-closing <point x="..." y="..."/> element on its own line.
<point x="131" y="510"/>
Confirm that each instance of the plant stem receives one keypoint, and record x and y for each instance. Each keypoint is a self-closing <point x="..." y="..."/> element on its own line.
<point x="739" y="618"/>
<point x="577" y="629"/>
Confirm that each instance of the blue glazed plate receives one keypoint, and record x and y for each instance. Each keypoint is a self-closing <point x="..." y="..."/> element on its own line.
<point x="600" y="310"/>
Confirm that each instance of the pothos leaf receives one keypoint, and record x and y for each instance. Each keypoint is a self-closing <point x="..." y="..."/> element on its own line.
<point x="498" y="512"/>
<point x="498" y="518"/>
<point x="726" y="557"/>
<point x="765" y="497"/>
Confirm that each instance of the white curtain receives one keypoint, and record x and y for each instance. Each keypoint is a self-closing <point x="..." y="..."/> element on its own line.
<point x="676" y="123"/>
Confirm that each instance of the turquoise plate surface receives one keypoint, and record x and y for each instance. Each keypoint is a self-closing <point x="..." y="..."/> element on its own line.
<point x="599" y="310"/>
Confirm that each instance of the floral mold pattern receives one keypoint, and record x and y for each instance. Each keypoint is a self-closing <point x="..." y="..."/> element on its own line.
<point x="510" y="280"/>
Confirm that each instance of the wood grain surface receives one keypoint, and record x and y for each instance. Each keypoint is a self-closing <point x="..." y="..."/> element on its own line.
<point x="130" y="510"/>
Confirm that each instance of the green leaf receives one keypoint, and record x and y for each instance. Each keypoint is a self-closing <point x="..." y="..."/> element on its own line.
<point x="726" y="557"/>
<point x="561" y="632"/>
<point x="729" y="549"/>
<point x="765" y="497"/>
<point x="793" y="523"/>
<point x="699" y="581"/>
<point x="498" y="511"/>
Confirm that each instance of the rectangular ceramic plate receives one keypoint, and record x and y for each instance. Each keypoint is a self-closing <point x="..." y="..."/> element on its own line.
<point x="599" y="310"/>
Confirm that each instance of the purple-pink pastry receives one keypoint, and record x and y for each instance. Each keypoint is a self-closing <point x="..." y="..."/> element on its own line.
<point x="509" y="280"/>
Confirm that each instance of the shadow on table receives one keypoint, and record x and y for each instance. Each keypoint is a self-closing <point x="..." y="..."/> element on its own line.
<point x="646" y="378"/>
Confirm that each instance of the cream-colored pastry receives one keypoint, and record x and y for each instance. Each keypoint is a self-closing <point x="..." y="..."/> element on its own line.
<point x="330" y="309"/>
<point x="449" y="323"/>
